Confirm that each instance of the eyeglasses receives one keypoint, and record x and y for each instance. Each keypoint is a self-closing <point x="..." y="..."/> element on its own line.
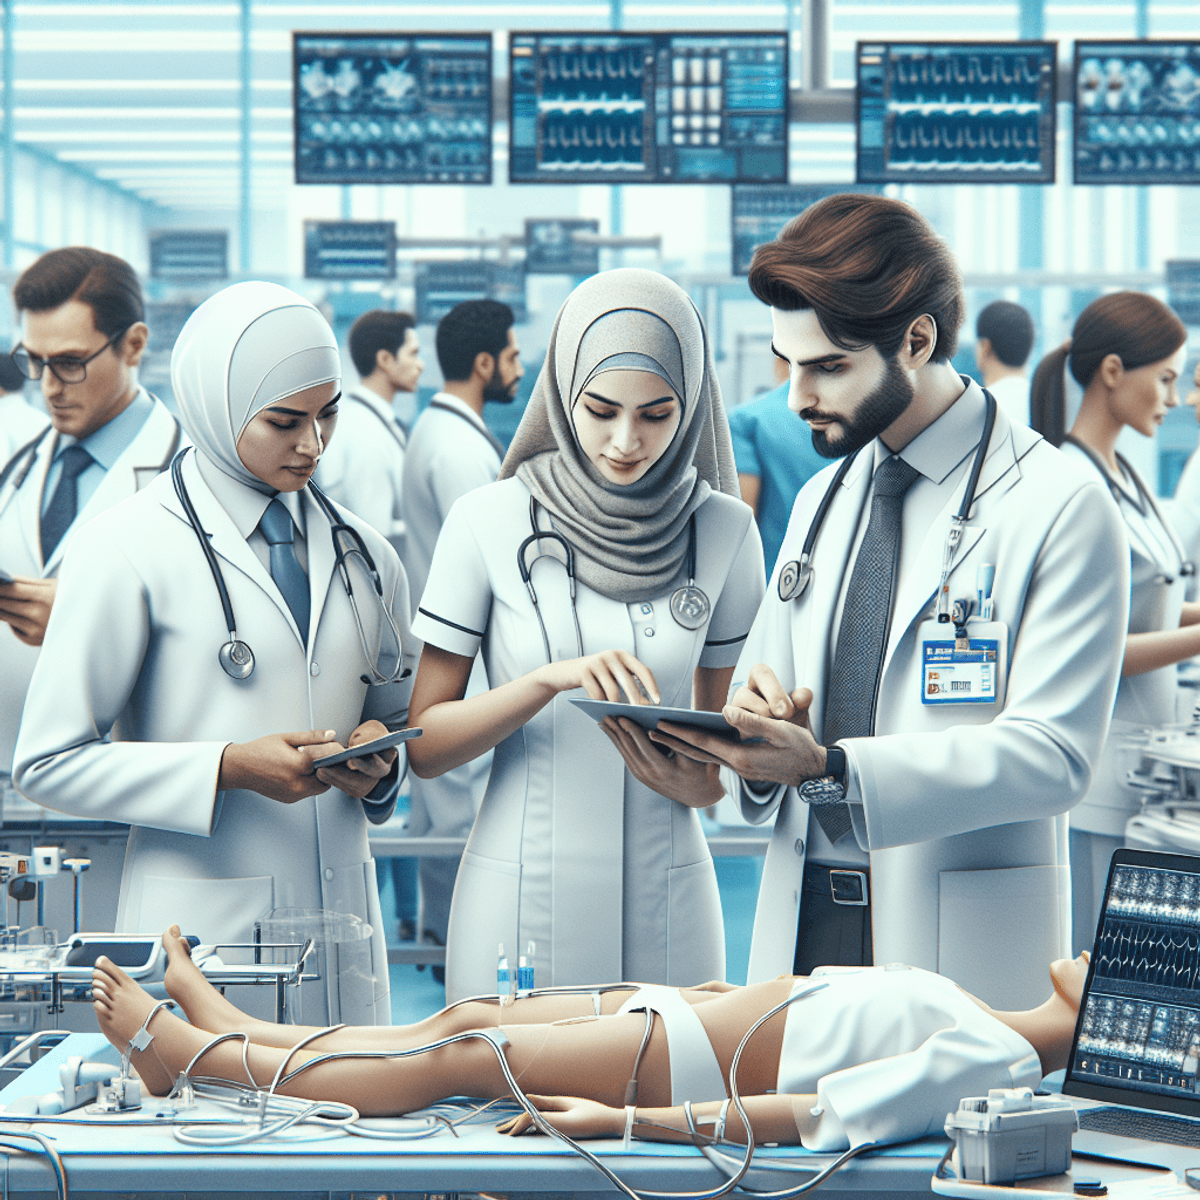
<point x="64" y="367"/>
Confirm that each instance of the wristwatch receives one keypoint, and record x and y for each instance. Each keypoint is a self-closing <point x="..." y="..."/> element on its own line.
<point x="831" y="787"/>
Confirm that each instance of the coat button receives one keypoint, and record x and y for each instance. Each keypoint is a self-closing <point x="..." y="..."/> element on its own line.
<point x="649" y="631"/>
<point x="328" y="872"/>
<point x="315" y="669"/>
<point x="799" y="847"/>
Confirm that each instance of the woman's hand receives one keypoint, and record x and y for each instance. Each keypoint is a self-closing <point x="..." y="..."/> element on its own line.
<point x="358" y="776"/>
<point x="687" y="782"/>
<point x="570" y="1115"/>
<point x="604" y="676"/>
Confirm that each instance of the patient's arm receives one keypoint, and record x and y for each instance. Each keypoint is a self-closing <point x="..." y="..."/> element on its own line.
<point x="781" y="1119"/>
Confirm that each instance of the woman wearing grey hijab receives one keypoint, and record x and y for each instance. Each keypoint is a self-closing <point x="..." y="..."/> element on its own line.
<point x="612" y="559"/>
<point x="141" y="714"/>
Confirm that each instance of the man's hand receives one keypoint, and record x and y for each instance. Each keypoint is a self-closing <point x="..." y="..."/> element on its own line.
<point x="786" y="753"/>
<point x="358" y="776"/>
<point x="25" y="604"/>
<point x="278" y="766"/>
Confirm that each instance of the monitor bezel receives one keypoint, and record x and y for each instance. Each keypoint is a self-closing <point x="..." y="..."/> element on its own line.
<point x="988" y="181"/>
<point x="375" y="36"/>
<point x="1127" y="1097"/>
<point x="656" y="33"/>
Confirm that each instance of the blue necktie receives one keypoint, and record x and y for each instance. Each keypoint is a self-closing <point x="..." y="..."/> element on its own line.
<point x="862" y="635"/>
<point x="64" y="504"/>
<point x="289" y="576"/>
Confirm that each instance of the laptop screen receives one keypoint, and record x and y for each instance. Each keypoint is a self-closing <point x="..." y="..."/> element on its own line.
<point x="1137" y="1039"/>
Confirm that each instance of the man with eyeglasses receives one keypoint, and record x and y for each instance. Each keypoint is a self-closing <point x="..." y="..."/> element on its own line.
<point x="82" y="336"/>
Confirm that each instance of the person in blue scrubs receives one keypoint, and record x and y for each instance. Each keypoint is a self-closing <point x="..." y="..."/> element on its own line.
<point x="775" y="459"/>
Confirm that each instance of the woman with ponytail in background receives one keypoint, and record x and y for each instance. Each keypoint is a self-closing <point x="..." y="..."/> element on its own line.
<point x="1126" y="352"/>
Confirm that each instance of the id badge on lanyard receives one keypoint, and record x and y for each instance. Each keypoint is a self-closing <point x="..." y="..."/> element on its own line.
<point x="970" y="670"/>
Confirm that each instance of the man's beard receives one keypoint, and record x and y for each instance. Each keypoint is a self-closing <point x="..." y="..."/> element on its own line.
<point x="875" y="412"/>
<point x="498" y="392"/>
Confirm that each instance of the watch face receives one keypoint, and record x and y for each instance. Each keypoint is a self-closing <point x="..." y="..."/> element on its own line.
<point x="822" y="791"/>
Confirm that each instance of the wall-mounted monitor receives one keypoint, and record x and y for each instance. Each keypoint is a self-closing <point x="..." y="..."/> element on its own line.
<point x="551" y="247"/>
<point x="349" y="249"/>
<point x="759" y="212"/>
<point x="648" y="107"/>
<point x="440" y="285"/>
<point x="189" y="254"/>
<point x="392" y="108"/>
<point x="956" y="112"/>
<point x="1183" y="289"/>
<point x="1137" y="112"/>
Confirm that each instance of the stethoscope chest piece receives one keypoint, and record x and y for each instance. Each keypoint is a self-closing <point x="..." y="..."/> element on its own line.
<point x="690" y="607"/>
<point x="794" y="578"/>
<point x="236" y="659"/>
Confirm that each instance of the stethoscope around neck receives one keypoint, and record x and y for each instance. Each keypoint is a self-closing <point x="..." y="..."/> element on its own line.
<point x="796" y="576"/>
<point x="1145" y="502"/>
<point x="689" y="604"/>
<point x="235" y="656"/>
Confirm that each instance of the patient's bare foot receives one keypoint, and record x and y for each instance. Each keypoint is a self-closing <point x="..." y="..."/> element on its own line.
<point x="121" y="1006"/>
<point x="205" y="1007"/>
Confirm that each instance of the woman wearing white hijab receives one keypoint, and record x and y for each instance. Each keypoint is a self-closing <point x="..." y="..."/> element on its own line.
<point x="624" y="456"/>
<point x="133" y="718"/>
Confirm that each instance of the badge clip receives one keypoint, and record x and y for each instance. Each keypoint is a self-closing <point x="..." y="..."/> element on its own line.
<point x="959" y="613"/>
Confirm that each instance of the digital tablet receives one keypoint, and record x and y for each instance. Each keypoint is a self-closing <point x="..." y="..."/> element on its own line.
<point x="649" y="715"/>
<point x="364" y="748"/>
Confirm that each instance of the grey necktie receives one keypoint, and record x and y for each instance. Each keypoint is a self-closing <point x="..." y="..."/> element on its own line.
<point x="866" y="615"/>
<point x="64" y="504"/>
<point x="277" y="528"/>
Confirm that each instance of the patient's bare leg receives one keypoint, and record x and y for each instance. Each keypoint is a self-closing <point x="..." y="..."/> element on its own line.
<point x="592" y="1059"/>
<point x="207" y="1008"/>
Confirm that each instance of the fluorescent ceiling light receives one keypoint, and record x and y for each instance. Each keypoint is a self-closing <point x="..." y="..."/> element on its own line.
<point x="148" y="85"/>
<point x="56" y="11"/>
<point x="28" y="112"/>
<point x="115" y="156"/>
<point x="133" y="136"/>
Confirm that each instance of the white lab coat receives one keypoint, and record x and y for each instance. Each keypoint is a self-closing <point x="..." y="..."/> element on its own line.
<point x="451" y="452"/>
<point x="363" y="465"/>
<point x="21" y="541"/>
<point x="608" y="878"/>
<point x="1143" y="701"/>
<point x="19" y="423"/>
<point x="962" y="806"/>
<point x="129" y="713"/>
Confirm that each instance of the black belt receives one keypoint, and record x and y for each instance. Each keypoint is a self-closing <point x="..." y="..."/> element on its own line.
<point x="843" y="885"/>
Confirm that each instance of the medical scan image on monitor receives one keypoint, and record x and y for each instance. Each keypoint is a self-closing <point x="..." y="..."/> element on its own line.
<point x="648" y="107"/>
<point x="396" y="108"/>
<point x="956" y="112"/>
<point x="1137" y="112"/>
<point x="1140" y="1025"/>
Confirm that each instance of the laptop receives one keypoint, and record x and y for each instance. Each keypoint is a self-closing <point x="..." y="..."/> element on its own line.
<point x="1134" y="1067"/>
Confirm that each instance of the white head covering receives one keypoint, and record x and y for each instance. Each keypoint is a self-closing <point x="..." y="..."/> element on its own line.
<point x="630" y="540"/>
<point x="244" y="349"/>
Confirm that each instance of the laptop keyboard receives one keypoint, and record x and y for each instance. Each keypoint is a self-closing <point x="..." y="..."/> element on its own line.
<point x="1150" y="1127"/>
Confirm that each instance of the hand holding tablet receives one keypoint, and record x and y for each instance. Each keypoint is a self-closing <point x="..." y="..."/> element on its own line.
<point x="364" y="749"/>
<point x="649" y="715"/>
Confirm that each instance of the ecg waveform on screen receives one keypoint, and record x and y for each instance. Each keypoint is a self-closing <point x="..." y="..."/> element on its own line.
<point x="962" y="141"/>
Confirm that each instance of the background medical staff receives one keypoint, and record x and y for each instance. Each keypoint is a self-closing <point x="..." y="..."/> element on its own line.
<point x="948" y="819"/>
<point x="20" y="422"/>
<point x="623" y="468"/>
<point x="1127" y="353"/>
<point x="452" y="453"/>
<point x="135" y="713"/>
<point x="363" y="467"/>
<point x="1004" y="337"/>
<point x="82" y="335"/>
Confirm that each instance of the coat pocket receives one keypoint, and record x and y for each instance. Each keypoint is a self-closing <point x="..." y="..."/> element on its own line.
<point x="214" y="910"/>
<point x="999" y="930"/>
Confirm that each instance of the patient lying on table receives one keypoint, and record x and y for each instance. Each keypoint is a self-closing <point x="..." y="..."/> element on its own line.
<point x="873" y="1054"/>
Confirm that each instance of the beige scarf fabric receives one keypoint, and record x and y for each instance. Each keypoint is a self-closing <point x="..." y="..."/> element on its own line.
<point x="630" y="540"/>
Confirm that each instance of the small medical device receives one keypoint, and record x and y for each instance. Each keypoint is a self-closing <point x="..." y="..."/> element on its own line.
<point x="364" y="748"/>
<point x="235" y="656"/>
<point x="1011" y="1134"/>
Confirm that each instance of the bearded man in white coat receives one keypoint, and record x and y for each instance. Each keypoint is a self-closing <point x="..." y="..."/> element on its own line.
<point x="82" y="335"/>
<point x="919" y="770"/>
